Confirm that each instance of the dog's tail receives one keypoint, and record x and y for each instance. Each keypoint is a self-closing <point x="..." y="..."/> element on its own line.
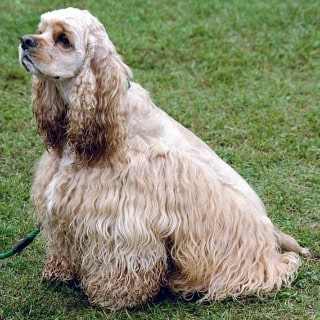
<point x="288" y="243"/>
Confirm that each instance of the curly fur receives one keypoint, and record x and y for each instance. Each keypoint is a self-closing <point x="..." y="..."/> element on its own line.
<point x="130" y="200"/>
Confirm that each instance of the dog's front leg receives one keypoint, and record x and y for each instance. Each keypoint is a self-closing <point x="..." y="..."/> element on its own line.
<point x="60" y="263"/>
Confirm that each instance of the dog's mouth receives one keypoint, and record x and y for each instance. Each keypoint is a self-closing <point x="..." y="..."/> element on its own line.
<point x="27" y="63"/>
<point x="30" y="66"/>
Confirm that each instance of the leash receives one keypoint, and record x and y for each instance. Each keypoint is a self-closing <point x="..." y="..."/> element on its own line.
<point x="22" y="244"/>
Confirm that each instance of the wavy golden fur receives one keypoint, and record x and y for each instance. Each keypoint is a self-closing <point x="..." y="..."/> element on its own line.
<point x="129" y="200"/>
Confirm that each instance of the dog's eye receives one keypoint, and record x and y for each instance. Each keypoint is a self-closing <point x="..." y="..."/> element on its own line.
<point x="62" y="38"/>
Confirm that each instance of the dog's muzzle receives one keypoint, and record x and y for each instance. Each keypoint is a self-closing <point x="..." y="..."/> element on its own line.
<point x="27" y="44"/>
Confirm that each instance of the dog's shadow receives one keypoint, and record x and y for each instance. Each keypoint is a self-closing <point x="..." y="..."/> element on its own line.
<point x="69" y="292"/>
<point x="72" y="294"/>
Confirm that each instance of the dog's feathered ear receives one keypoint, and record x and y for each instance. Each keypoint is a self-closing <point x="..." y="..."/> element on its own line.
<point x="97" y="111"/>
<point x="50" y="112"/>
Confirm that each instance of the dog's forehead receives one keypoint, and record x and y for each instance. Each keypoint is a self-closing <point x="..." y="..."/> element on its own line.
<point x="72" y="17"/>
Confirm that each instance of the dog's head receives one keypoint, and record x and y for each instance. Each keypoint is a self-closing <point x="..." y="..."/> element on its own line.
<point x="60" y="47"/>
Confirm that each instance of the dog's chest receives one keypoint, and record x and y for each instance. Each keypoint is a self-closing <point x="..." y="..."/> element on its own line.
<point x="61" y="187"/>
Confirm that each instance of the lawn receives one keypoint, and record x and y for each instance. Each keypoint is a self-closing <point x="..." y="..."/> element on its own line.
<point x="243" y="75"/>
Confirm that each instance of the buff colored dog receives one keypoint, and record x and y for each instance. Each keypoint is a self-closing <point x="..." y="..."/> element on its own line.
<point x="130" y="200"/>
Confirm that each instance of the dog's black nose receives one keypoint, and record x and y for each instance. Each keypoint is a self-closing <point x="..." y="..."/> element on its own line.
<point x="28" y="42"/>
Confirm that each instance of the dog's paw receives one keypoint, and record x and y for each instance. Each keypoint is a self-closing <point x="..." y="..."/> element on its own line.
<point x="58" y="270"/>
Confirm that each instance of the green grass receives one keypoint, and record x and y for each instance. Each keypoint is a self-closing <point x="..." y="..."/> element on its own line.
<point x="242" y="75"/>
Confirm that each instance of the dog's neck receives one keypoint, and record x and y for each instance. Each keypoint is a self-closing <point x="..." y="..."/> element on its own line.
<point x="65" y="87"/>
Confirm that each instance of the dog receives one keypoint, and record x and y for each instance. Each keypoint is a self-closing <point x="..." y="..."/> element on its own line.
<point x="130" y="201"/>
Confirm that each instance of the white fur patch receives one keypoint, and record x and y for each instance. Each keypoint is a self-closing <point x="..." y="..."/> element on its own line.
<point x="50" y="193"/>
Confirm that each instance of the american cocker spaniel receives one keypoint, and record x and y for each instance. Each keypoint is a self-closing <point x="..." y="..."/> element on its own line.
<point x="129" y="200"/>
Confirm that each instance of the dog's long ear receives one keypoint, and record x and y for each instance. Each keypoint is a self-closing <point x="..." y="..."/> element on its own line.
<point x="50" y="112"/>
<point x="97" y="111"/>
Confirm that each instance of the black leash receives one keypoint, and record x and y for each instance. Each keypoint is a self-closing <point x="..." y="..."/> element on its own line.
<point x="22" y="244"/>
